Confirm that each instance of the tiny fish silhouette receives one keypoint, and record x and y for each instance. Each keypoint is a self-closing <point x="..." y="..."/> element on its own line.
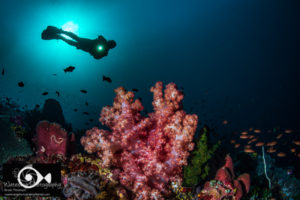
<point x="69" y="69"/>
<point x="3" y="72"/>
<point x="85" y="113"/>
<point x="21" y="84"/>
<point x="83" y="91"/>
<point x="57" y="93"/>
<point x="135" y="90"/>
<point x="75" y="109"/>
<point x="86" y="103"/>
<point x="44" y="93"/>
<point x="106" y="78"/>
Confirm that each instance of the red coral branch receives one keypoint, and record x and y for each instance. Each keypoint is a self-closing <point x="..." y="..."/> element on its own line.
<point x="52" y="140"/>
<point x="224" y="185"/>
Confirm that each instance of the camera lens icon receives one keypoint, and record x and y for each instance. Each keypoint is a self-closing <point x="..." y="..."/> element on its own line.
<point x="29" y="177"/>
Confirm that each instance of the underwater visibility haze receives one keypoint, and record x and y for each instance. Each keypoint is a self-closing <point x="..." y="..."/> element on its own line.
<point x="116" y="82"/>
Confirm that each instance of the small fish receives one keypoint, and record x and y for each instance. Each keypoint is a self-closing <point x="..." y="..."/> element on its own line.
<point x="288" y="131"/>
<point x="249" y="151"/>
<point x="281" y="154"/>
<point x="279" y="136"/>
<point x="83" y="91"/>
<point x="296" y="143"/>
<point x="37" y="106"/>
<point x="21" y="84"/>
<point x="251" y="136"/>
<point x="248" y="146"/>
<point x="244" y="133"/>
<point x="250" y="129"/>
<point x="135" y="90"/>
<point x="87" y="123"/>
<point x="257" y="131"/>
<point x="271" y="150"/>
<point x="237" y="146"/>
<point x="86" y="103"/>
<point x="259" y="144"/>
<point x="106" y="78"/>
<point x="293" y="150"/>
<point x="253" y="140"/>
<point x="53" y="74"/>
<point x="270" y="144"/>
<point x="44" y="93"/>
<point x="244" y="137"/>
<point x="3" y="72"/>
<point x="69" y="69"/>
<point x="86" y="113"/>
<point x="225" y="122"/>
<point x="57" y="93"/>
<point x="91" y="120"/>
<point x="140" y="98"/>
<point x="232" y="141"/>
<point x="75" y="109"/>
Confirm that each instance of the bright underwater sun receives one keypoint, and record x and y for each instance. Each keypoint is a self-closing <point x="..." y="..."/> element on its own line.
<point x="71" y="27"/>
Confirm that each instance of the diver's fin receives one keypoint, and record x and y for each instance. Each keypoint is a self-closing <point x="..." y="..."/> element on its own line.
<point x="51" y="33"/>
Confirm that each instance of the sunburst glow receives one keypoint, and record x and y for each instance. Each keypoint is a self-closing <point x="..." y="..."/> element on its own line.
<point x="71" y="27"/>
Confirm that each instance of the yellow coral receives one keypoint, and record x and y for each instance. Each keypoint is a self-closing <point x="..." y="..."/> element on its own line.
<point x="101" y="196"/>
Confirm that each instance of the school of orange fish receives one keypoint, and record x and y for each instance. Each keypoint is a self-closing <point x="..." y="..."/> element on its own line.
<point x="251" y="136"/>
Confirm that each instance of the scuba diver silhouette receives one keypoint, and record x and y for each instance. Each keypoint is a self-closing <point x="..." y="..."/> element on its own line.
<point x="98" y="48"/>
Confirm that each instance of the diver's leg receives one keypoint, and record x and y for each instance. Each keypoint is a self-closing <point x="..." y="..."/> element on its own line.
<point x="71" y="35"/>
<point x="70" y="42"/>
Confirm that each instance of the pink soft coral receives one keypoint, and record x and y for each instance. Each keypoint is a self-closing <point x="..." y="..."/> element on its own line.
<point x="147" y="152"/>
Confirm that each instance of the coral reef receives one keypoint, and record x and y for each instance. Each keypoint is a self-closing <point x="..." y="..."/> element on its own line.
<point x="288" y="185"/>
<point x="82" y="185"/>
<point x="198" y="167"/>
<point x="52" y="139"/>
<point x="84" y="166"/>
<point x="13" y="145"/>
<point x="224" y="185"/>
<point x="147" y="152"/>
